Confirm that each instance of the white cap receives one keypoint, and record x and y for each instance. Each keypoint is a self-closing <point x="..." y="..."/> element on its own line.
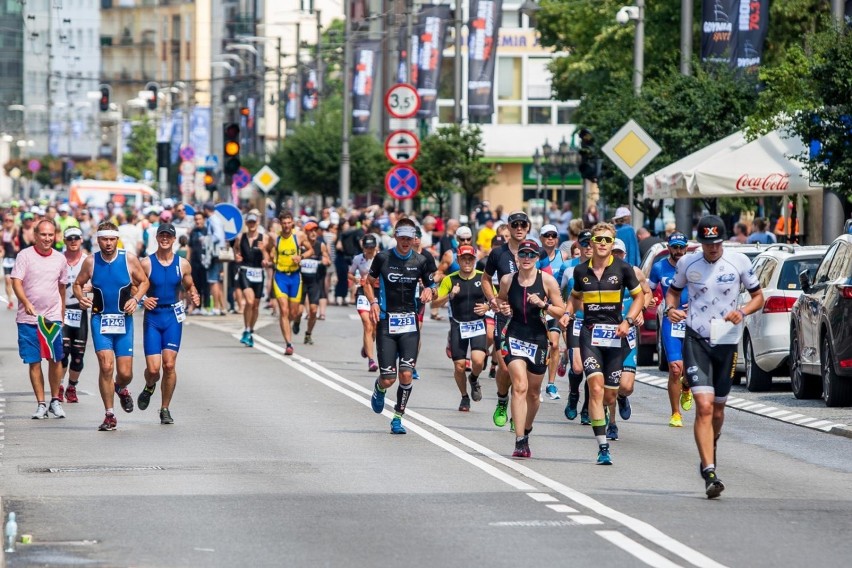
<point x="548" y="229"/>
<point x="621" y="213"/>
<point x="428" y="220"/>
<point x="64" y="208"/>
<point x="334" y="217"/>
<point x="464" y="233"/>
<point x="324" y="224"/>
<point x="619" y="245"/>
<point x="168" y="202"/>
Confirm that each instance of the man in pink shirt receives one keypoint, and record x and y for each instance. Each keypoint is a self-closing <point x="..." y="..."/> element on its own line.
<point x="39" y="279"/>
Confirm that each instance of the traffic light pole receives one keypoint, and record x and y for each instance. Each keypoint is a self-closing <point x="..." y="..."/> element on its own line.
<point x="347" y="105"/>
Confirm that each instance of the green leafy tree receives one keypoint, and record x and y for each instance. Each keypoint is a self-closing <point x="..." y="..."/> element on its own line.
<point x="143" y="150"/>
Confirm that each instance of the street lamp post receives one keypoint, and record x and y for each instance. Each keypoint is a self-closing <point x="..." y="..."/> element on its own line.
<point x="625" y="15"/>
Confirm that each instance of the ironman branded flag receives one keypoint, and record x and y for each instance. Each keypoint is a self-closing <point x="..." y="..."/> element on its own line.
<point x="48" y="333"/>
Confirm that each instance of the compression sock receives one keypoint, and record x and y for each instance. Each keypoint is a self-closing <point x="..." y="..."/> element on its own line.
<point x="379" y="388"/>
<point x="599" y="428"/>
<point x="574" y="380"/>
<point x="403" y="392"/>
<point x="504" y="398"/>
<point x="586" y="394"/>
<point x="72" y="383"/>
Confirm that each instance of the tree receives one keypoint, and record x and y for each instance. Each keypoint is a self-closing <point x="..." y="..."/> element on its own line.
<point x="143" y="150"/>
<point x="451" y="161"/>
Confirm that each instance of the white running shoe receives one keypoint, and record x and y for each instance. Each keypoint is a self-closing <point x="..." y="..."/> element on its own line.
<point x="41" y="412"/>
<point x="56" y="409"/>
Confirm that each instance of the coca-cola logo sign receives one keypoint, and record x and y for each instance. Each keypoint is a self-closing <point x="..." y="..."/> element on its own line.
<point x="770" y="182"/>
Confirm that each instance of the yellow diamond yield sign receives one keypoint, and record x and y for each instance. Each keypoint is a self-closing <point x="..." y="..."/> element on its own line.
<point x="265" y="179"/>
<point x="631" y="149"/>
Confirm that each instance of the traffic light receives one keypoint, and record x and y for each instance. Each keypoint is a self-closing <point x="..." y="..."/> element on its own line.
<point x="588" y="155"/>
<point x="152" y="101"/>
<point x="209" y="181"/>
<point x="231" y="132"/>
<point x="104" y="102"/>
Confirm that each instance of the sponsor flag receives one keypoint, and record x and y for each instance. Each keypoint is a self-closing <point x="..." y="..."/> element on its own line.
<point x="432" y="31"/>
<point x="310" y="95"/>
<point x="752" y="27"/>
<point x="409" y="48"/>
<point x="485" y="17"/>
<point x="367" y="61"/>
<point x="718" y="32"/>
<point x="292" y="107"/>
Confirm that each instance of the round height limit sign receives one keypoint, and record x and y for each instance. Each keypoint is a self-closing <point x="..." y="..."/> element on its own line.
<point x="402" y="101"/>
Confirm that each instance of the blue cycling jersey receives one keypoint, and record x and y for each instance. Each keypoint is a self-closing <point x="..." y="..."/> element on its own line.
<point x="662" y="273"/>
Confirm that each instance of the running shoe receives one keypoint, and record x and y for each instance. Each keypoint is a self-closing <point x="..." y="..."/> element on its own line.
<point x="41" y="412"/>
<point x="61" y="395"/>
<point x="676" y="421"/>
<point x="475" y="391"/>
<point x="55" y="408"/>
<point x="166" y="416"/>
<point x="378" y="399"/>
<point x="144" y="398"/>
<point x="624" y="409"/>
<point x="109" y="423"/>
<point x="244" y="338"/>
<point x="415" y="375"/>
<point x="492" y="373"/>
<point x="288" y="350"/>
<point x="464" y="405"/>
<point x="372" y="366"/>
<point x="713" y="486"/>
<point x="686" y="400"/>
<point x="603" y="455"/>
<point x="612" y="432"/>
<point x="552" y="391"/>
<point x="71" y="394"/>
<point x="500" y="416"/>
<point x="522" y="448"/>
<point x="571" y="407"/>
<point x="296" y="325"/>
<point x="363" y="353"/>
<point x="250" y="341"/>
<point x="126" y="399"/>
<point x="308" y="339"/>
<point x="396" y="426"/>
<point x="584" y="418"/>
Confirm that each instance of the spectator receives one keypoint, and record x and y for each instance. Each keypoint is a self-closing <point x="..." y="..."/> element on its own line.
<point x="591" y="217"/>
<point x="483" y="215"/>
<point x="759" y="234"/>
<point x="646" y="241"/>
<point x="782" y="227"/>
<point x="626" y="232"/>
<point x="199" y="261"/>
<point x="215" y="241"/>
<point x="565" y="217"/>
<point x="447" y="241"/>
<point x="348" y="245"/>
<point x="485" y="235"/>
<point x="669" y="229"/>
<point x="740" y="233"/>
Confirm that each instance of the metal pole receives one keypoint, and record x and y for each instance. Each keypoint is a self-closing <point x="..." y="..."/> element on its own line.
<point x="319" y="53"/>
<point x="298" y="72"/>
<point x="279" y="72"/>
<point x="455" y="197"/>
<point x="347" y="104"/>
<point x="832" y="203"/>
<point x="639" y="49"/>
<point x="683" y="207"/>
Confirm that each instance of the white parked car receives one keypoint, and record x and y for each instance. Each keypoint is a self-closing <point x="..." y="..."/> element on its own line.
<point x="765" y="345"/>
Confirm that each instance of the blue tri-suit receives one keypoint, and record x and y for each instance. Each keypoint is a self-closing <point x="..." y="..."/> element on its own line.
<point x="111" y="287"/>
<point x="161" y="329"/>
<point x="662" y="273"/>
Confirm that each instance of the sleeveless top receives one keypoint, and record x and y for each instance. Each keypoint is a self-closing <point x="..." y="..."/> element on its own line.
<point x="71" y="300"/>
<point x="286" y="249"/>
<point x="165" y="282"/>
<point x="311" y="266"/>
<point x="527" y="320"/>
<point x="111" y="284"/>
<point x="251" y="253"/>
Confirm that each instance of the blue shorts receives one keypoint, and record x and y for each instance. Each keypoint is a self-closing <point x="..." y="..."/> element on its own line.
<point x="287" y="285"/>
<point x="35" y="345"/>
<point x="119" y="343"/>
<point x="672" y="345"/>
<point x="214" y="272"/>
<point x="160" y="331"/>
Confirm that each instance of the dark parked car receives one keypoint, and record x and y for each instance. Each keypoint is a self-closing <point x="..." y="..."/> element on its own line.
<point x="821" y="329"/>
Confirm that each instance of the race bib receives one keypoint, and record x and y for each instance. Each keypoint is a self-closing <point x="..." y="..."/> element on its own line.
<point x="631" y="337"/>
<point x="679" y="329"/>
<point x="113" y="324"/>
<point x="524" y="349"/>
<point x="73" y="317"/>
<point x="362" y="303"/>
<point x="468" y="329"/>
<point x="402" y="323"/>
<point x="578" y="325"/>
<point x="180" y="312"/>
<point x="603" y="335"/>
<point x="309" y="266"/>
<point x="254" y="275"/>
<point x="8" y="262"/>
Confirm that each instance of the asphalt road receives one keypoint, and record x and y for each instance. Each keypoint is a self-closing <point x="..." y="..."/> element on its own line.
<point x="279" y="461"/>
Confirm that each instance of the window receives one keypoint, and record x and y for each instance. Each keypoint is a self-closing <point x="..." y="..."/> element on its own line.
<point x="565" y="115"/>
<point x="789" y="278"/>
<point x="511" y="19"/>
<point x="447" y="80"/>
<point x="509" y="115"/>
<point x="446" y="115"/>
<point x="538" y="78"/>
<point x="840" y="266"/>
<point x="766" y="270"/>
<point x="509" y="78"/>
<point x="539" y="115"/>
<point x="822" y="272"/>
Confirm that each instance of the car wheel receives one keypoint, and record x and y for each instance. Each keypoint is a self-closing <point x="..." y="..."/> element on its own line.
<point x="661" y="352"/>
<point x="836" y="390"/>
<point x="804" y="386"/>
<point x="757" y="380"/>
<point x="645" y="355"/>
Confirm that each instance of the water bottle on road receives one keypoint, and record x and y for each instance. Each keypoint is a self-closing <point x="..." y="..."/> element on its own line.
<point x="11" y="532"/>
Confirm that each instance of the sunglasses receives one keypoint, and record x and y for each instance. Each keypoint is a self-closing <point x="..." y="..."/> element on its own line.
<point x="461" y="240"/>
<point x="67" y="239"/>
<point x="603" y="239"/>
<point x="527" y="254"/>
<point x="519" y="225"/>
<point x="549" y="236"/>
<point x="677" y="247"/>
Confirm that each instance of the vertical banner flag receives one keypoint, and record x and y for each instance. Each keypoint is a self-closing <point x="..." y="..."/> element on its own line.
<point x="718" y="33"/>
<point x="753" y="25"/>
<point x="310" y="95"/>
<point x="409" y="50"/>
<point x="367" y="61"/>
<point x="292" y="106"/>
<point x="199" y="130"/>
<point x="432" y="30"/>
<point x="485" y="17"/>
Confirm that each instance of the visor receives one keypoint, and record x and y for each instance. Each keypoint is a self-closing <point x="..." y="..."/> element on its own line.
<point x="406" y="231"/>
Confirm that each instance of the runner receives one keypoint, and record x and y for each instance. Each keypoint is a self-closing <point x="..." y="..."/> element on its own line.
<point x="287" y="279"/>
<point x="39" y="279"/>
<point x="358" y="272"/>
<point x="431" y="268"/>
<point x="164" y="315"/>
<point x="463" y="290"/>
<point x="313" y="274"/>
<point x="713" y="277"/>
<point x="75" y="331"/>
<point x="10" y="251"/>
<point x="118" y="284"/>
<point x="628" y="373"/>
<point x="502" y="261"/>
<point x="551" y="261"/>
<point x="598" y="289"/>
<point x="251" y="252"/>
<point x="662" y="274"/>
<point x="396" y="273"/>
<point x="526" y="298"/>
<point x="572" y="332"/>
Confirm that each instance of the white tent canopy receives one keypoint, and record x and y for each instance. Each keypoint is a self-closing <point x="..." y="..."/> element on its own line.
<point x="733" y="167"/>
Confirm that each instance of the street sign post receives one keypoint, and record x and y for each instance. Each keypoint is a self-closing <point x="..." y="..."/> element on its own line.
<point x="242" y="178"/>
<point x="187" y="154"/>
<point x="187" y="168"/>
<point x="265" y="179"/>
<point x="402" y="147"/>
<point x="232" y="219"/>
<point x="402" y="182"/>
<point x="402" y="101"/>
<point x="631" y="149"/>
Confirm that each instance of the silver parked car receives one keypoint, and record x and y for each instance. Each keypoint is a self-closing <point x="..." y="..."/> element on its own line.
<point x="765" y="345"/>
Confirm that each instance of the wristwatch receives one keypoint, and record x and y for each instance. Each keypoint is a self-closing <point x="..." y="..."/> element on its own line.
<point x="630" y="320"/>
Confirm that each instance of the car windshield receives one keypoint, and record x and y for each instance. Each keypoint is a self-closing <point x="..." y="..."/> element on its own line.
<point x="789" y="277"/>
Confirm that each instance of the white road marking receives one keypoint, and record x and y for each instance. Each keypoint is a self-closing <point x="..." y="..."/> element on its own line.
<point x="643" y="529"/>
<point x="585" y="520"/>
<point x="629" y="545"/>
<point x="562" y="508"/>
<point x="543" y="497"/>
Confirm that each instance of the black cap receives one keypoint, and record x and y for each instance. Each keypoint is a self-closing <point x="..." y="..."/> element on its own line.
<point x="529" y="244"/>
<point x="584" y="236"/>
<point x="167" y="228"/>
<point x="518" y="216"/>
<point x="369" y="241"/>
<point x="711" y="230"/>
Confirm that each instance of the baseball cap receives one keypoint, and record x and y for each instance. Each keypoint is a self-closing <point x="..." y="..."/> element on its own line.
<point x="548" y="229"/>
<point x="677" y="239"/>
<point x="621" y="212"/>
<point x="167" y="228"/>
<point x="467" y="250"/>
<point x="324" y="224"/>
<point x="497" y="241"/>
<point x="73" y="232"/>
<point x="168" y="202"/>
<point x="251" y="217"/>
<point x="64" y="208"/>
<point x="369" y="241"/>
<point x="619" y="246"/>
<point x="518" y="216"/>
<point x="27" y="216"/>
<point x="166" y="215"/>
<point x="529" y="244"/>
<point x="311" y="225"/>
<point x="429" y="220"/>
<point x="464" y="233"/>
<point x="711" y="230"/>
<point x="209" y="206"/>
<point x="584" y="237"/>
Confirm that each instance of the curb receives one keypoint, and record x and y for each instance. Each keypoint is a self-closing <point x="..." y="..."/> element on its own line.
<point x="844" y="431"/>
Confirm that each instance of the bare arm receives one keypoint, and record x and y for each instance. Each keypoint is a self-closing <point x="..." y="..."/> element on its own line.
<point x="188" y="283"/>
<point x="139" y="280"/>
<point x="82" y="279"/>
